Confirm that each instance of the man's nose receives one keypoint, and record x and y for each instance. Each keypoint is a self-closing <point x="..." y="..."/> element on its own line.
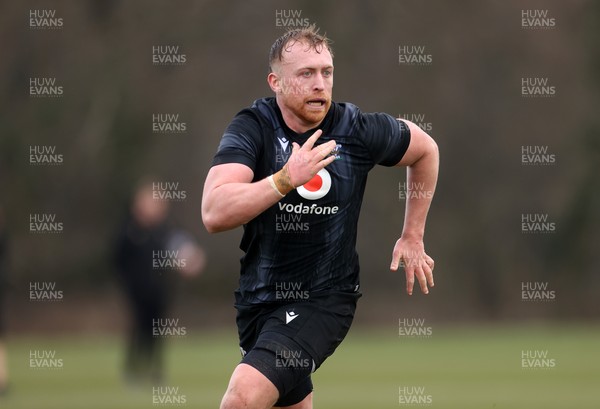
<point x="319" y="82"/>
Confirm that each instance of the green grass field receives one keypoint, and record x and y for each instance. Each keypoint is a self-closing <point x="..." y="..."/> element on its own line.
<point x="459" y="367"/>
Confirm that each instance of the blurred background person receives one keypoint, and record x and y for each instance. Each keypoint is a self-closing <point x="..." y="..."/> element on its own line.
<point x="145" y="244"/>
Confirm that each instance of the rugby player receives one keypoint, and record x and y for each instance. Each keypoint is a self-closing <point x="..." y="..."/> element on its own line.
<point x="292" y="169"/>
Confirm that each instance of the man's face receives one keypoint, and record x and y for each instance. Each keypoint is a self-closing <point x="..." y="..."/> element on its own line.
<point x="303" y="83"/>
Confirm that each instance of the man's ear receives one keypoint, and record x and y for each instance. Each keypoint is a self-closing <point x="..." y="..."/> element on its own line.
<point x="273" y="80"/>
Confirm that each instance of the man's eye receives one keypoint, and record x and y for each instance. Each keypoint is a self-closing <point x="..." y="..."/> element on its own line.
<point x="327" y="73"/>
<point x="306" y="74"/>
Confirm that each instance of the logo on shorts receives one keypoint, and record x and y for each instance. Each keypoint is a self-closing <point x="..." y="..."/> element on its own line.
<point x="290" y="316"/>
<point x="317" y="187"/>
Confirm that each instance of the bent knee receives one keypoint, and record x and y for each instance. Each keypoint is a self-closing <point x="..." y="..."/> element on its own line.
<point x="240" y="400"/>
<point x="234" y="400"/>
<point x="249" y="389"/>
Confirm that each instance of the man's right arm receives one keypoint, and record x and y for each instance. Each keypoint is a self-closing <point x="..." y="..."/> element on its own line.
<point x="230" y="198"/>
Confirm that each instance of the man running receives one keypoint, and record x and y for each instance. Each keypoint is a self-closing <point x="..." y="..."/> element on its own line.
<point x="292" y="170"/>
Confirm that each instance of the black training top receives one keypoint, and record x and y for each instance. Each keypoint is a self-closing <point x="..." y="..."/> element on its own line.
<point x="305" y="243"/>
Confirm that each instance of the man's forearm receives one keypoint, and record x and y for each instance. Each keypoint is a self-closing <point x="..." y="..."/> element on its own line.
<point x="230" y="205"/>
<point x="234" y="204"/>
<point x="421" y="180"/>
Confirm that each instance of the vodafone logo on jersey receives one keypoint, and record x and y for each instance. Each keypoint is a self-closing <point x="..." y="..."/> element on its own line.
<point x="317" y="187"/>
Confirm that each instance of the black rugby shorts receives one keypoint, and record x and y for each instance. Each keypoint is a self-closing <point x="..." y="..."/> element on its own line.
<point x="287" y="342"/>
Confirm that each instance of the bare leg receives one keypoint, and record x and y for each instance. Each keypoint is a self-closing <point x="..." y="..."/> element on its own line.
<point x="249" y="389"/>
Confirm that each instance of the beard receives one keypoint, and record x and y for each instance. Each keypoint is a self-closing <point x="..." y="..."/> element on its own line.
<point x="309" y="109"/>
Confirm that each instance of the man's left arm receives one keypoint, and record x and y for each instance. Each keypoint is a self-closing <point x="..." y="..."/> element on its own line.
<point x="422" y="162"/>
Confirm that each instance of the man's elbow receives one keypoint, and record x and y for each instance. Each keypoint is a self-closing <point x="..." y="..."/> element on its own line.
<point x="432" y="148"/>
<point x="428" y="154"/>
<point x="425" y="143"/>
<point x="422" y="150"/>
<point x="211" y="222"/>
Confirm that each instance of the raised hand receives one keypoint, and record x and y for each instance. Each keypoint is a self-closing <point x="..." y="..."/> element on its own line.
<point x="304" y="163"/>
